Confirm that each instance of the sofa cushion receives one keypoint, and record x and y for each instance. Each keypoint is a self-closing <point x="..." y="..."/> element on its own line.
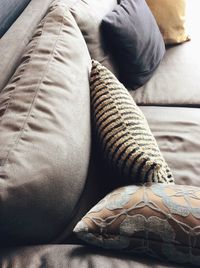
<point x="177" y="132"/>
<point x="44" y="156"/>
<point x="88" y="15"/>
<point x="122" y="131"/>
<point x="19" y="33"/>
<point x="170" y="16"/>
<point x="73" y="256"/>
<point x="133" y="37"/>
<point x="9" y="11"/>
<point x="175" y="80"/>
<point x="158" y="220"/>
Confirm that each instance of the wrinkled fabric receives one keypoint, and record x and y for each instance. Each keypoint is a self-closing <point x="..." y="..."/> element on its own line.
<point x="73" y="256"/>
<point x="14" y="41"/>
<point x="45" y="132"/>
<point x="177" y="132"/>
<point x="89" y="15"/>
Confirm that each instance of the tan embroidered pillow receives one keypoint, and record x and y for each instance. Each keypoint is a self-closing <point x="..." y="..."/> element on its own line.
<point x="159" y="220"/>
<point x="170" y="16"/>
<point x="122" y="131"/>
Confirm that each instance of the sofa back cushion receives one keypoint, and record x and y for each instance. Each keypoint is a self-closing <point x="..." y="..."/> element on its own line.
<point x="89" y="15"/>
<point x="14" y="41"/>
<point x="45" y="132"/>
<point x="9" y="11"/>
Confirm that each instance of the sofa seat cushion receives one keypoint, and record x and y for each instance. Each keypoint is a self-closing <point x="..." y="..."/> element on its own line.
<point x="45" y="132"/>
<point x="122" y="131"/>
<point x="177" y="132"/>
<point x="175" y="82"/>
<point x="73" y="256"/>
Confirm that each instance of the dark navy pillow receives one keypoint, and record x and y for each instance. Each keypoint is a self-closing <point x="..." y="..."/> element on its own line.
<point x="9" y="11"/>
<point x="132" y="35"/>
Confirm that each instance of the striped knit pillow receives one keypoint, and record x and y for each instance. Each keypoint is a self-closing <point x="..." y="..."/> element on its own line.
<point x="123" y="132"/>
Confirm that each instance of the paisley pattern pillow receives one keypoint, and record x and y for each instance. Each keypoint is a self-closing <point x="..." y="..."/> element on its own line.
<point x="122" y="130"/>
<point x="160" y="220"/>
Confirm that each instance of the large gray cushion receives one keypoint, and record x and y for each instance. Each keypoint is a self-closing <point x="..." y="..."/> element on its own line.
<point x="45" y="132"/>
<point x="73" y="256"/>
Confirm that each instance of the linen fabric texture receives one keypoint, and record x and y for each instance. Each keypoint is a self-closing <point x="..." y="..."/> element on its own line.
<point x="171" y="18"/>
<point x="122" y="131"/>
<point x="20" y="32"/>
<point x="133" y="37"/>
<point x="89" y="15"/>
<point x="41" y="172"/>
<point x="162" y="221"/>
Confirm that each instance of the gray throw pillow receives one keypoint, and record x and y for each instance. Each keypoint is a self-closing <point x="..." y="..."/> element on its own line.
<point x="135" y="41"/>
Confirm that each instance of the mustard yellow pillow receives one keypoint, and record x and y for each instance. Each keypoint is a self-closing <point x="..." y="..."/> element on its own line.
<point x="170" y="16"/>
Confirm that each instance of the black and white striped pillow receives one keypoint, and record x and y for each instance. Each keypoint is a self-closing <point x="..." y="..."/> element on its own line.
<point x="123" y="132"/>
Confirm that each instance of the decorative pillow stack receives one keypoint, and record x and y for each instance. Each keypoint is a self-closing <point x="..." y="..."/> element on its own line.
<point x="133" y="37"/>
<point x="159" y="220"/>
<point x="170" y="16"/>
<point x="123" y="133"/>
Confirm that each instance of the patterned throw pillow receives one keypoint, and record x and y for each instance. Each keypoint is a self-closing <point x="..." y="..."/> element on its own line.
<point x="41" y="174"/>
<point x="159" y="220"/>
<point x="123" y="133"/>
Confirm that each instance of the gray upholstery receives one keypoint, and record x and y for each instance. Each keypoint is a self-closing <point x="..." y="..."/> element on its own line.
<point x="176" y="81"/>
<point x="177" y="131"/>
<point x="13" y="43"/>
<point x="88" y="15"/>
<point x="45" y="132"/>
<point x="9" y="11"/>
<point x="74" y="256"/>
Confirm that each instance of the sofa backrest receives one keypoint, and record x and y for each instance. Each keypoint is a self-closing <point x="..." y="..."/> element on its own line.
<point x="14" y="41"/>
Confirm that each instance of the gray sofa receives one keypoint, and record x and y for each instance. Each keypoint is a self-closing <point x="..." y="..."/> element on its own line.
<point x="170" y="102"/>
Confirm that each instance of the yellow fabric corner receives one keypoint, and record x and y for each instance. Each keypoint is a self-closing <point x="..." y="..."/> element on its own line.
<point x="170" y="16"/>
